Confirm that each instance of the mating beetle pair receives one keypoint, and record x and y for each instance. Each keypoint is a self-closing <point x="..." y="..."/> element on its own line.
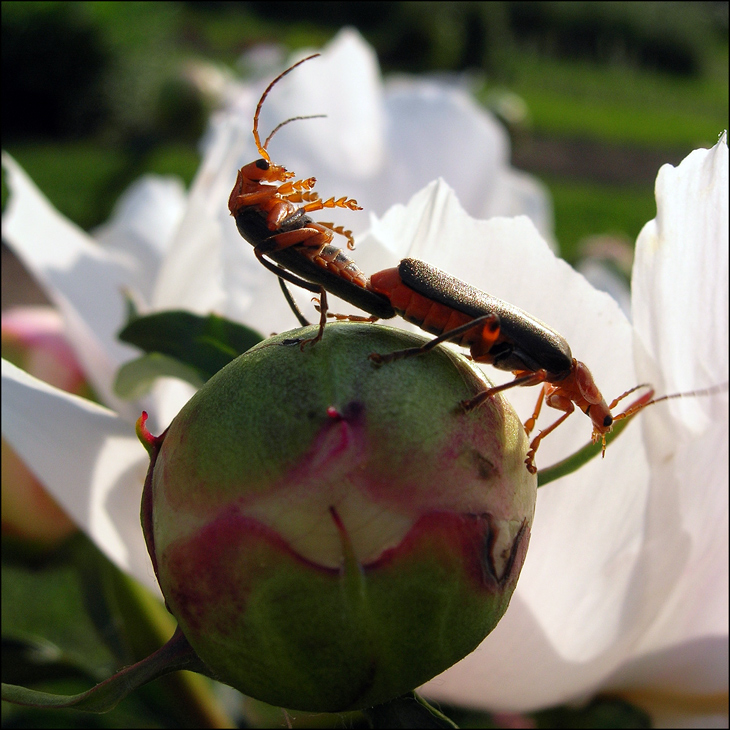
<point x="496" y="332"/>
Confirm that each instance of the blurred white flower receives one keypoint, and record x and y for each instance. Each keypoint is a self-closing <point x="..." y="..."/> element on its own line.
<point x="625" y="585"/>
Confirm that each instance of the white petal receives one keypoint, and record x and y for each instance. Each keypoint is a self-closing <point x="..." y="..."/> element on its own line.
<point x="192" y="273"/>
<point x="680" y="291"/>
<point x="602" y="582"/>
<point x="681" y="592"/>
<point x="344" y="83"/>
<point x="142" y="226"/>
<point x="681" y="311"/>
<point x="87" y="457"/>
<point x="84" y="282"/>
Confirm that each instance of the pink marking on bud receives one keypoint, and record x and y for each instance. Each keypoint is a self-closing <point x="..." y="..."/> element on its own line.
<point x="338" y="447"/>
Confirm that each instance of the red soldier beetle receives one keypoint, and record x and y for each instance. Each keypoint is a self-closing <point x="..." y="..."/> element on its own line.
<point x="502" y="335"/>
<point x="497" y="333"/>
<point x="263" y="203"/>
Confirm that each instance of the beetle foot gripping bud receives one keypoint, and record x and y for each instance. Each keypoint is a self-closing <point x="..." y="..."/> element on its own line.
<point x="330" y="534"/>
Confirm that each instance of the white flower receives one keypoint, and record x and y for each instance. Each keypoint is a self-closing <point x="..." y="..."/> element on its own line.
<point x="625" y="584"/>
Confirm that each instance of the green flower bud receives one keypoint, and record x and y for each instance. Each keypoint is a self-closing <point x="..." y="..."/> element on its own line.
<point x="330" y="533"/>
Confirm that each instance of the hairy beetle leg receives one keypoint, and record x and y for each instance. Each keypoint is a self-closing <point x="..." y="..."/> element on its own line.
<point x="490" y="333"/>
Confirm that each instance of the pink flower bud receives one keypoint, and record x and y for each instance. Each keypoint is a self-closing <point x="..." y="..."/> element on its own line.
<point x="33" y="339"/>
<point x="330" y="533"/>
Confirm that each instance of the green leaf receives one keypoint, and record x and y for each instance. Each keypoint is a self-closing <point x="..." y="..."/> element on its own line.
<point x="91" y="620"/>
<point x="59" y="629"/>
<point x="135" y="378"/>
<point x="206" y="344"/>
<point x="407" y="711"/>
<point x="131" y="305"/>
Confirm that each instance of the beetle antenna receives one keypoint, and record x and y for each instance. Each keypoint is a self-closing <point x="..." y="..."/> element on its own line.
<point x="256" y="138"/>
<point x="646" y="397"/>
<point x="642" y="403"/>
<point x="292" y="119"/>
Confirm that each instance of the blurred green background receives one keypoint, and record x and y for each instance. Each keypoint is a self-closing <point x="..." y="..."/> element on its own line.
<point x="94" y="94"/>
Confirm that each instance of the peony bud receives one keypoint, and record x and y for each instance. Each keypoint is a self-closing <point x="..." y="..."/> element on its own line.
<point x="33" y="338"/>
<point x="330" y="533"/>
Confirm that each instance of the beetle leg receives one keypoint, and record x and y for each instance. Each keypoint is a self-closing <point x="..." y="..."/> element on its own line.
<point x="290" y="301"/>
<point x="310" y="236"/>
<point x="489" y="323"/>
<point x="530" y="460"/>
<point x="342" y="231"/>
<point x="322" y="320"/>
<point x="255" y="198"/>
<point x="555" y="399"/>
<point x="526" y="379"/>
<point x="530" y="422"/>
<point x="284" y="274"/>
<point x="304" y="284"/>
<point x="346" y="317"/>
